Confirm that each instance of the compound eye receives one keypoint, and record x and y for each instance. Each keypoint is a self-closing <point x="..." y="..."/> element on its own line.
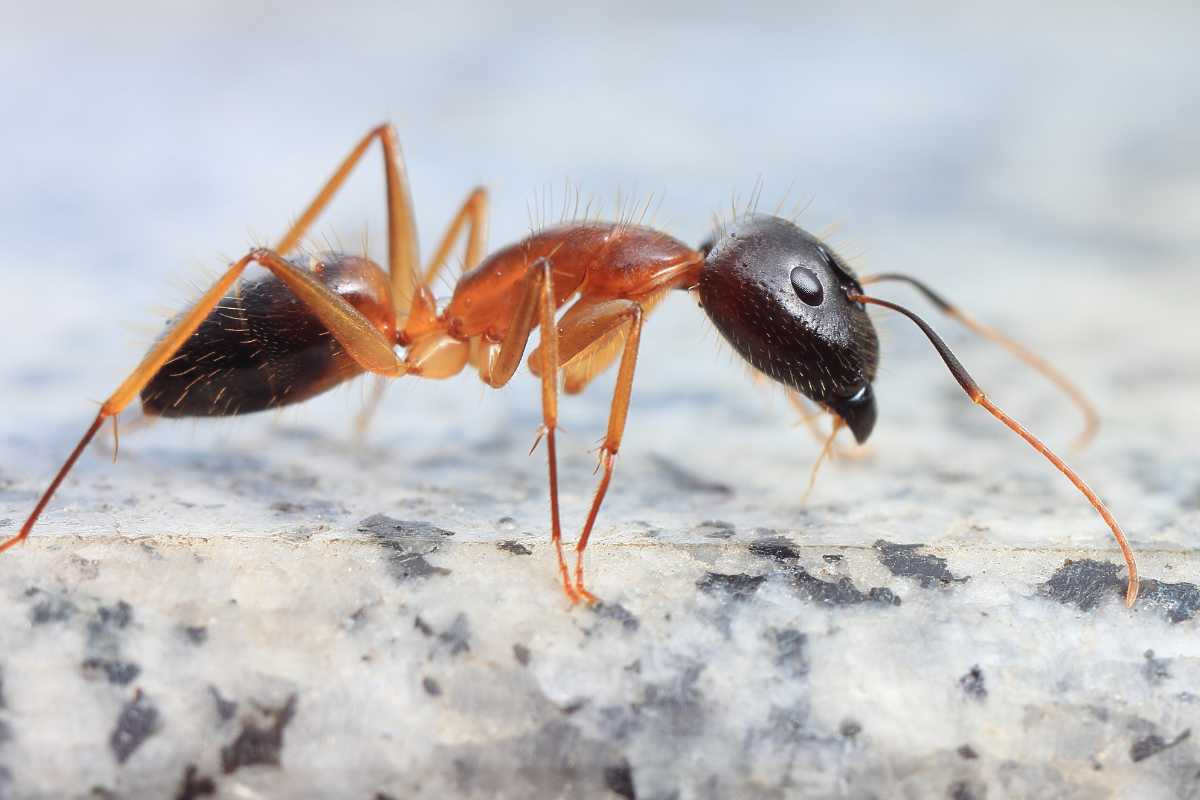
<point x="807" y="287"/>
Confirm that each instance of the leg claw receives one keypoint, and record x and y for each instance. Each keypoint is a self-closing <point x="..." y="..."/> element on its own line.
<point x="587" y="596"/>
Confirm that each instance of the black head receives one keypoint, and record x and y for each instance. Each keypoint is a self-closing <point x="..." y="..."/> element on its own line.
<point x="779" y="296"/>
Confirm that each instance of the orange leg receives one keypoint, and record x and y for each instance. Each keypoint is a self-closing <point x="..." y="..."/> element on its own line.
<point x="361" y="340"/>
<point x="403" y="251"/>
<point x="536" y="308"/>
<point x="591" y="327"/>
<point x="473" y="215"/>
<point x="826" y="452"/>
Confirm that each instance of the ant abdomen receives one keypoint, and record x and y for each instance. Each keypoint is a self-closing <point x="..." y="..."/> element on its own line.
<point x="262" y="348"/>
<point x="781" y="298"/>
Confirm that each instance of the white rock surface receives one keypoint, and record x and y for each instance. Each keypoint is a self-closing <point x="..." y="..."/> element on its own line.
<point x="224" y="614"/>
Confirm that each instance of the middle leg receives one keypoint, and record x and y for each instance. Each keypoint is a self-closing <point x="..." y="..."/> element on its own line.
<point x="592" y="326"/>
<point x="537" y="307"/>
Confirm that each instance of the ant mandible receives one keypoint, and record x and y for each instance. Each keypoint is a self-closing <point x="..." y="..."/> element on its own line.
<point x="784" y="300"/>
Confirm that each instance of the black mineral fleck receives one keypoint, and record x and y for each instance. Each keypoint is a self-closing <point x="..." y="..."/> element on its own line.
<point x="1084" y="583"/>
<point x="431" y="687"/>
<point x="1154" y="744"/>
<point x="617" y="613"/>
<point x="521" y="654"/>
<point x="777" y="548"/>
<point x="515" y="547"/>
<point x="716" y="529"/>
<point x="49" y="608"/>
<point x="903" y="560"/>
<point x="1155" y="670"/>
<point x="961" y="790"/>
<point x="619" y="780"/>
<point x="110" y="618"/>
<point x="409" y="542"/>
<point x="738" y="587"/>
<point x="973" y="685"/>
<point x="137" y="722"/>
<point x="259" y="744"/>
<point x="405" y="566"/>
<point x="118" y="672"/>
<point x="225" y="708"/>
<point x="3" y="703"/>
<point x="850" y="728"/>
<point x="791" y="650"/>
<point x="196" y="634"/>
<point x="195" y="785"/>
<point x="385" y="527"/>
<point x="456" y="639"/>
<point x="1178" y="601"/>
<point x="967" y="753"/>
<point x="841" y="592"/>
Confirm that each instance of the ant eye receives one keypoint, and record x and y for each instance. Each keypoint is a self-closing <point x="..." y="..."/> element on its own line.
<point x="807" y="287"/>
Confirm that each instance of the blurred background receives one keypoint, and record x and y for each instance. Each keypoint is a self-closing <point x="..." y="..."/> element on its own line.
<point x="1037" y="162"/>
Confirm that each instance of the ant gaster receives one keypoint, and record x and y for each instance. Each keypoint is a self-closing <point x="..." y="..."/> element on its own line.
<point x="785" y="302"/>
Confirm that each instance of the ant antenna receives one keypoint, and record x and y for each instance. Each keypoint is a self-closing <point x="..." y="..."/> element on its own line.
<point x="979" y="398"/>
<point x="1091" y="420"/>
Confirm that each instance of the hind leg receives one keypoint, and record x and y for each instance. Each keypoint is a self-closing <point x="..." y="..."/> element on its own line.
<point x="473" y="216"/>
<point x="358" y="337"/>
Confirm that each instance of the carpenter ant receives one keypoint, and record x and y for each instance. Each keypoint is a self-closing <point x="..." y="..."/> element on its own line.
<point x="785" y="301"/>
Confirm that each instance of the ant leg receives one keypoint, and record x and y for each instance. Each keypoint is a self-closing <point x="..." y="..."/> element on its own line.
<point x="362" y="421"/>
<point x="592" y="326"/>
<point x="472" y="214"/>
<point x="403" y="251"/>
<point x="826" y="452"/>
<point x="138" y="423"/>
<point x="1091" y="420"/>
<point x="537" y="307"/>
<point x="598" y="354"/>
<point x="360" y="339"/>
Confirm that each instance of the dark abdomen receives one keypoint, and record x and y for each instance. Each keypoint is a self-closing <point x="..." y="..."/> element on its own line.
<point x="262" y="348"/>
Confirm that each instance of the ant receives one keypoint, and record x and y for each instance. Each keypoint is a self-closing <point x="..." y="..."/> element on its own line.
<point x="787" y="303"/>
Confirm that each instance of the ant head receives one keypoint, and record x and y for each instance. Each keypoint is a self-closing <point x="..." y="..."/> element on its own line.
<point x="779" y="296"/>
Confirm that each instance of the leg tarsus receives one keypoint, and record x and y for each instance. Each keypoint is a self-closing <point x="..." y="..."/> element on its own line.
<point x="54" y="484"/>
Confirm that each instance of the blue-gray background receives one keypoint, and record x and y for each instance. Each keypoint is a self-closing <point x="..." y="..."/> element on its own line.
<point x="1037" y="162"/>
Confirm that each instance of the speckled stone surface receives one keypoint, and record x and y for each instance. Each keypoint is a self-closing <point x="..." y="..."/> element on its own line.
<point x="263" y="608"/>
